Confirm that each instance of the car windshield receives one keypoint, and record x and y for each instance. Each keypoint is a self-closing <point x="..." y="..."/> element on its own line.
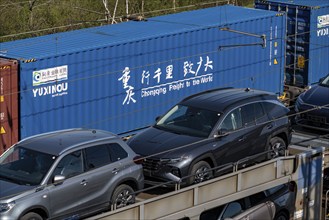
<point x="24" y="166"/>
<point x="189" y="120"/>
<point x="325" y="82"/>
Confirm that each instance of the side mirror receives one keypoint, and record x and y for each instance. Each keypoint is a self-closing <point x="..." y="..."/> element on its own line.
<point x="157" y="118"/>
<point x="222" y="132"/>
<point x="58" y="179"/>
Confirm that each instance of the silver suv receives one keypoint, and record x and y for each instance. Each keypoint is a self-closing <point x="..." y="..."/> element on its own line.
<point x="67" y="174"/>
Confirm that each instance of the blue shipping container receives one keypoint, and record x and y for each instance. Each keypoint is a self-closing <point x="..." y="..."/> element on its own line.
<point x="307" y="38"/>
<point x="120" y="77"/>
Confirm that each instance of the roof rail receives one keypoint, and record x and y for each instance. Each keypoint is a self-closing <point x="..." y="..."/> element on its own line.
<point x="205" y="92"/>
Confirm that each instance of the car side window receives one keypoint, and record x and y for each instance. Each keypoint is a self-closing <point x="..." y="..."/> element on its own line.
<point x="117" y="152"/>
<point x="70" y="165"/>
<point x="231" y="210"/>
<point x="248" y="115"/>
<point x="232" y="121"/>
<point x="260" y="115"/>
<point x="97" y="156"/>
<point x="251" y="114"/>
<point x="213" y="213"/>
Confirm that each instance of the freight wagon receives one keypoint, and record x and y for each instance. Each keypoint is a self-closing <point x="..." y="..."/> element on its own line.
<point x="121" y="77"/>
<point x="307" y="41"/>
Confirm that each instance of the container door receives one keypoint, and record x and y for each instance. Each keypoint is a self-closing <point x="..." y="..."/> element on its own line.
<point x="8" y="103"/>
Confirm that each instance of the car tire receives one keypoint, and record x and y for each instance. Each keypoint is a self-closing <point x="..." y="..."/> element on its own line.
<point x="276" y="147"/>
<point x="122" y="196"/>
<point x="31" y="216"/>
<point x="199" y="172"/>
<point x="281" y="216"/>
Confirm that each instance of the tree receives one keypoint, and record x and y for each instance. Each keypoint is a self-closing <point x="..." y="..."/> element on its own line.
<point x="22" y="19"/>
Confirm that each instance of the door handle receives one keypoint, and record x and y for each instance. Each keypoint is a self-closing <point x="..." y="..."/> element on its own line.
<point x="83" y="182"/>
<point x="115" y="170"/>
<point x="269" y="126"/>
<point x="242" y="139"/>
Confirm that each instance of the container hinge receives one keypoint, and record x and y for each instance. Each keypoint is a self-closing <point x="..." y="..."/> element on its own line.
<point x="262" y="37"/>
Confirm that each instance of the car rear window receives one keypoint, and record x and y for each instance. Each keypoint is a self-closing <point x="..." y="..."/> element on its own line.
<point x="117" y="152"/>
<point x="274" y="109"/>
<point x="97" y="156"/>
<point x="102" y="155"/>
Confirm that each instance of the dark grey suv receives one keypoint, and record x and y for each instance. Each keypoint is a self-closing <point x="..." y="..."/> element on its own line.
<point x="210" y="129"/>
<point x="312" y="107"/>
<point x="67" y="174"/>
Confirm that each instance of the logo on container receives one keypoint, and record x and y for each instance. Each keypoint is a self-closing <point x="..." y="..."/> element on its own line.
<point x="36" y="78"/>
<point x="49" y="75"/>
<point x="323" y="21"/>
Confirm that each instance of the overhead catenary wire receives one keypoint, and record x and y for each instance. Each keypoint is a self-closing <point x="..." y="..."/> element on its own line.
<point x="315" y="107"/>
<point x="157" y="63"/>
<point x="114" y="18"/>
<point x="149" y="64"/>
<point x="219" y="136"/>
<point x="115" y="117"/>
<point x="115" y="72"/>
<point x="154" y="20"/>
<point x="22" y="45"/>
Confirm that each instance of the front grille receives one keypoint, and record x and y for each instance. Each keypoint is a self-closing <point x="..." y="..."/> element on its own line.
<point x="151" y="164"/>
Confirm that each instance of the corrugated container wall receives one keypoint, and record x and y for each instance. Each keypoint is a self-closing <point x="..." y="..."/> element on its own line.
<point x="307" y="39"/>
<point x="121" y="77"/>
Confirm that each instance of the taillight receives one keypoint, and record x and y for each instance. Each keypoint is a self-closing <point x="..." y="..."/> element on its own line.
<point x="138" y="160"/>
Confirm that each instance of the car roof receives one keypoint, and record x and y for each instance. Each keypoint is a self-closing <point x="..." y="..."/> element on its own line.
<point x="220" y="99"/>
<point x="57" y="142"/>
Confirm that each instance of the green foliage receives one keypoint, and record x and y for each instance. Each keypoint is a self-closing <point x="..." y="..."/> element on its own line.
<point x="23" y="19"/>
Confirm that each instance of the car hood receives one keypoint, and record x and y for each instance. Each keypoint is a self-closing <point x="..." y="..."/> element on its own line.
<point x="154" y="141"/>
<point x="317" y="95"/>
<point x="9" y="189"/>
